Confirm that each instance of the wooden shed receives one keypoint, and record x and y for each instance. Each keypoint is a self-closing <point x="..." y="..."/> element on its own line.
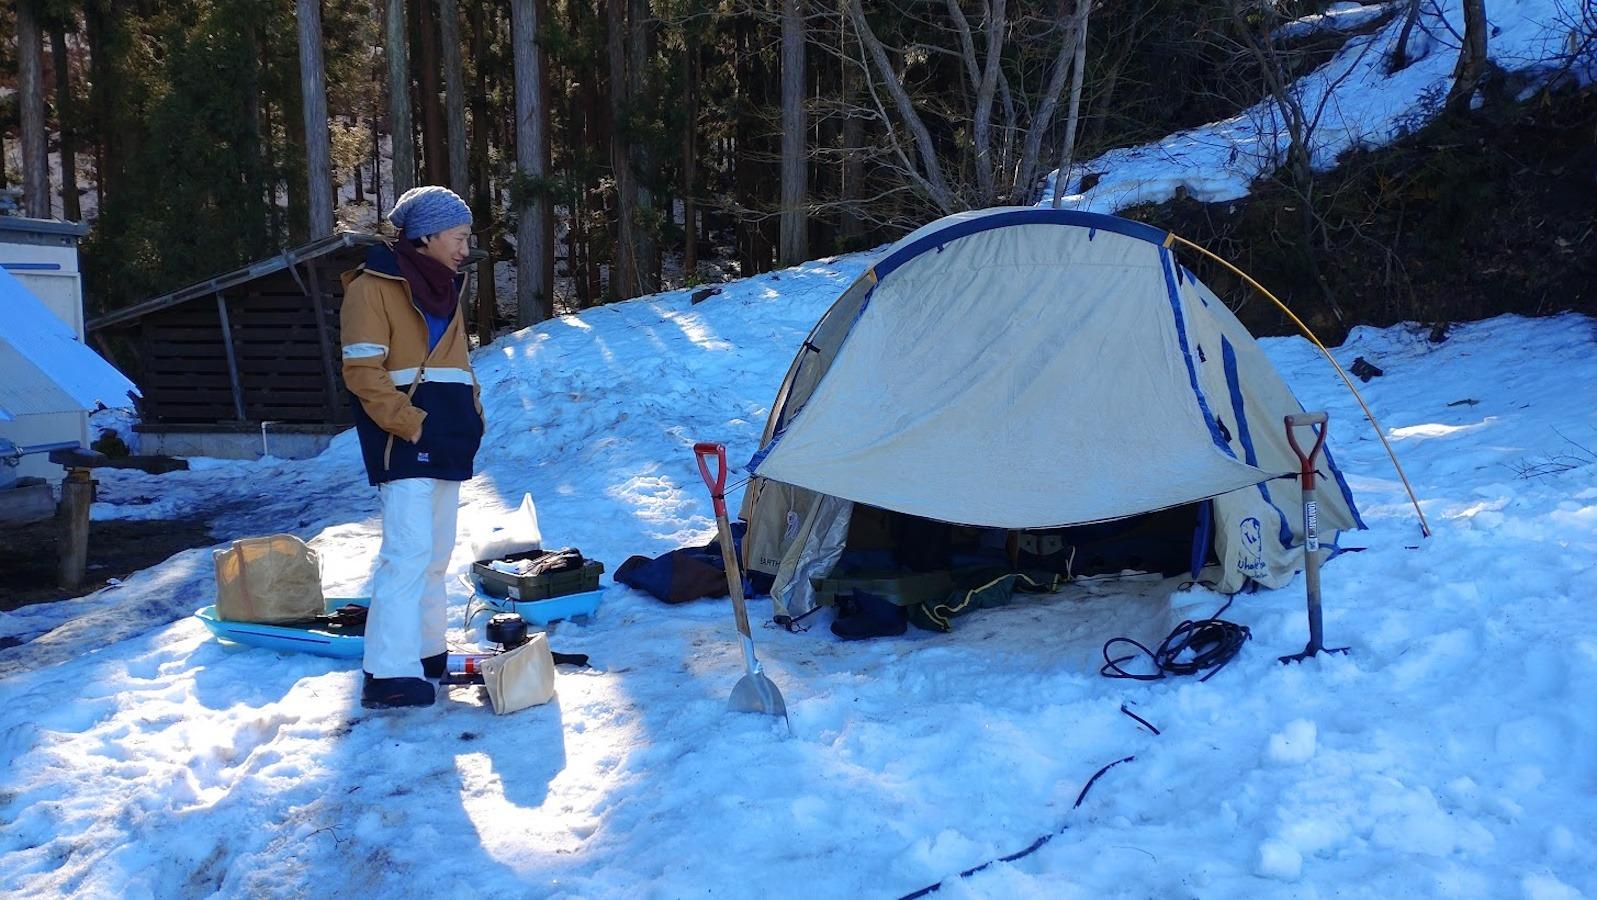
<point x="256" y="350"/>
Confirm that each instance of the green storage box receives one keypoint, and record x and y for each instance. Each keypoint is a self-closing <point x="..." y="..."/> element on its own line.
<point x="506" y="586"/>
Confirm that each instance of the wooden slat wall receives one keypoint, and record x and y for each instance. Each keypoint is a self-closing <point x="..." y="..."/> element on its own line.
<point x="275" y="342"/>
<point x="185" y="366"/>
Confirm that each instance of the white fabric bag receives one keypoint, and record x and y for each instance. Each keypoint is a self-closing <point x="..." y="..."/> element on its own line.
<point x="521" y="677"/>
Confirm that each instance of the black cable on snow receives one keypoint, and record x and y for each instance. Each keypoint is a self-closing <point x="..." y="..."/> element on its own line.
<point x="934" y="888"/>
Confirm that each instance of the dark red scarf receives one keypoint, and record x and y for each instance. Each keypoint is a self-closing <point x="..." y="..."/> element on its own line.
<point x="432" y="284"/>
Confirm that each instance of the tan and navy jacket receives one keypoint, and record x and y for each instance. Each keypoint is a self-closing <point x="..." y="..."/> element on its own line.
<point x="418" y="412"/>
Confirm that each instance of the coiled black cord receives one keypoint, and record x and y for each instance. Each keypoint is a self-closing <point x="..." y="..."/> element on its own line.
<point x="1206" y="643"/>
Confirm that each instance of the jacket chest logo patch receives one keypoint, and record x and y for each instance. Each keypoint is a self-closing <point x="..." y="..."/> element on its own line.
<point x="423" y="457"/>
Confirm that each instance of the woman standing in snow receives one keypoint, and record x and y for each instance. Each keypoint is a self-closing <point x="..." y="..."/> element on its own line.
<point x="419" y="418"/>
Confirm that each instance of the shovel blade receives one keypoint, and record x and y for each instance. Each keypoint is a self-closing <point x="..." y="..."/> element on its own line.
<point x="756" y="693"/>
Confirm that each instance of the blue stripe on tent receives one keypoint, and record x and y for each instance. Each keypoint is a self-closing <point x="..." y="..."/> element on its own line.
<point x="1239" y="409"/>
<point x="1228" y="356"/>
<point x="1336" y="472"/>
<point x="864" y="304"/>
<point x="760" y="454"/>
<point x="1040" y="216"/>
<point x="31" y="267"/>
<point x="1186" y="352"/>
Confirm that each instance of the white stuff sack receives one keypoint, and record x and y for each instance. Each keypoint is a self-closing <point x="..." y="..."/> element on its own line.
<point x="516" y="533"/>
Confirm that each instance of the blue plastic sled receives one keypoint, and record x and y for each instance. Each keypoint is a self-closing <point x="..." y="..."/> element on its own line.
<point x="289" y="639"/>
<point x="544" y="612"/>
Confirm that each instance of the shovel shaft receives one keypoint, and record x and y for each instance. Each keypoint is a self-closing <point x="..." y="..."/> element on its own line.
<point x="1311" y="517"/>
<point x="734" y="584"/>
<point x="1311" y="565"/>
<point x="753" y="692"/>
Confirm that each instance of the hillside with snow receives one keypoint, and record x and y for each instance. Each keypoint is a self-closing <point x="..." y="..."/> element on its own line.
<point x="1352" y="102"/>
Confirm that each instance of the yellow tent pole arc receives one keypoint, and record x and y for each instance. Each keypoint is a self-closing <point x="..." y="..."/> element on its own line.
<point x="1172" y="238"/>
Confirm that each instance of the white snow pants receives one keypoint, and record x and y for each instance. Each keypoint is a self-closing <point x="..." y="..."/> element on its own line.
<point x="406" y="621"/>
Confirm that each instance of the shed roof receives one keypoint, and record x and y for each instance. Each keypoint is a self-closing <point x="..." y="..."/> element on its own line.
<point x="272" y="264"/>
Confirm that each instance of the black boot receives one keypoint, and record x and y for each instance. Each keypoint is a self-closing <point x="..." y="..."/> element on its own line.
<point x="868" y="616"/>
<point x="433" y="666"/>
<point x="392" y="693"/>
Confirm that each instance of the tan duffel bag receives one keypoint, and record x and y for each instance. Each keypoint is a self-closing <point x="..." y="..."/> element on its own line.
<point x="274" y="579"/>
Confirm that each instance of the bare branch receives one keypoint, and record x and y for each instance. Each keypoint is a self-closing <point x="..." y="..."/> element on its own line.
<point x="1027" y="174"/>
<point x="933" y="180"/>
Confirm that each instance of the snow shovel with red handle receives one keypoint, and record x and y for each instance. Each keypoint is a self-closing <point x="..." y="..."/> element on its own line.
<point x="754" y="692"/>
<point x="1311" y="527"/>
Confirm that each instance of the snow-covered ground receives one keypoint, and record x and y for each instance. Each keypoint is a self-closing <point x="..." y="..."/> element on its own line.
<point x="1448" y="754"/>
<point x="1351" y="102"/>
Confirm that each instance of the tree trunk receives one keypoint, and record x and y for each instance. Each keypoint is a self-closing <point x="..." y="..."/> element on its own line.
<point x="357" y="171"/>
<point x="377" y="150"/>
<point x="1031" y="150"/>
<point x="298" y="195"/>
<point x="397" y="47"/>
<point x="930" y="176"/>
<point x="313" y="97"/>
<point x="596" y="141"/>
<point x="852" y="224"/>
<point x="983" y="75"/>
<point x="487" y="288"/>
<point x="547" y="196"/>
<point x="432" y="110"/>
<point x="794" y="243"/>
<point x="646" y="256"/>
<point x="103" y="27"/>
<point x="1073" y="118"/>
<point x="690" y="140"/>
<point x="740" y="160"/>
<point x="1472" y="59"/>
<point x="1399" y="59"/>
<point x="30" y="96"/>
<point x="274" y="213"/>
<point x="624" y="277"/>
<point x="66" y="115"/>
<point x="257" y="175"/>
<point x="532" y="287"/>
<point x="454" y="94"/>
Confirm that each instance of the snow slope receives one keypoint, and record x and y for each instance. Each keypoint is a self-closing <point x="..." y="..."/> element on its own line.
<point x="1448" y="755"/>
<point x="1351" y="102"/>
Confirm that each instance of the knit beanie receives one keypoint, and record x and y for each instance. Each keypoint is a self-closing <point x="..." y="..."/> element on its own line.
<point x="428" y="210"/>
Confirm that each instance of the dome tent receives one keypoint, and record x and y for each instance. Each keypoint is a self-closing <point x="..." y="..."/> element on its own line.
<point x="1024" y="369"/>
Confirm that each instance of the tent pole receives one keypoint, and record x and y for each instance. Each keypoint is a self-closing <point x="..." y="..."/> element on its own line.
<point x="1172" y="238"/>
